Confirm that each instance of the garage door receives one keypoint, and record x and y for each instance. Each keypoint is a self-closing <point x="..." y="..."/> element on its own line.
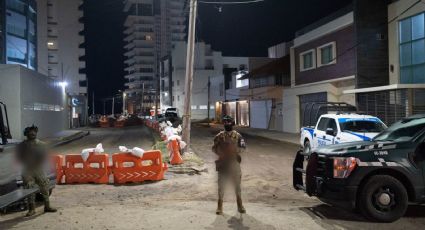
<point x="310" y="98"/>
<point x="260" y="112"/>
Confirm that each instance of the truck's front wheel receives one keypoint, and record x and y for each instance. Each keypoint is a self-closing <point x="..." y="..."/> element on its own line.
<point x="383" y="198"/>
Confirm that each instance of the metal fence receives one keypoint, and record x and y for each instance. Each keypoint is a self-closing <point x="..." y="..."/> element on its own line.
<point x="392" y="105"/>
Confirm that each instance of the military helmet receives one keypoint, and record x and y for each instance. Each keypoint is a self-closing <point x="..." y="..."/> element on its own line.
<point x="228" y="118"/>
<point x="28" y="129"/>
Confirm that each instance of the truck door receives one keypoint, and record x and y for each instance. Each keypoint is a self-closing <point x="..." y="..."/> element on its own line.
<point x="319" y="135"/>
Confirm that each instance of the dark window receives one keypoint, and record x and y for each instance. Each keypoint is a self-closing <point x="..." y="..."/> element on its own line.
<point x="332" y="125"/>
<point x="323" y="124"/>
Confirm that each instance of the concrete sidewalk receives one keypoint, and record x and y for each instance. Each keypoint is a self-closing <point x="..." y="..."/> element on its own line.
<point x="289" y="138"/>
<point x="65" y="136"/>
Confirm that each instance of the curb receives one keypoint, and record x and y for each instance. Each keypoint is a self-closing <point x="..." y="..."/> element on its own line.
<point x="269" y="138"/>
<point x="71" y="138"/>
<point x="254" y="135"/>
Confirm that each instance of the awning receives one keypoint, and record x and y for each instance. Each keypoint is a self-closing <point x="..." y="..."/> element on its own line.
<point x="278" y="66"/>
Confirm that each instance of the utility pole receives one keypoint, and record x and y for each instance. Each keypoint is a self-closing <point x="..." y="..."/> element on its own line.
<point x="123" y="102"/>
<point x="157" y="97"/>
<point x="189" y="72"/>
<point x="143" y="99"/>
<point x="209" y="99"/>
<point x="113" y="105"/>
<point x="104" y="106"/>
<point x="92" y="111"/>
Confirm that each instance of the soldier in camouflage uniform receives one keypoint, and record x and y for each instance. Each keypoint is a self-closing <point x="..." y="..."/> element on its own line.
<point x="32" y="154"/>
<point x="227" y="145"/>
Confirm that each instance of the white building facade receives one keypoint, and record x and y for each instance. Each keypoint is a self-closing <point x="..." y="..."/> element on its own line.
<point x="61" y="51"/>
<point x="210" y="67"/>
<point x="151" y="29"/>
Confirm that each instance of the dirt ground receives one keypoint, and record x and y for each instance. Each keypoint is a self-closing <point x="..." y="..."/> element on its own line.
<point x="188" y="201"/>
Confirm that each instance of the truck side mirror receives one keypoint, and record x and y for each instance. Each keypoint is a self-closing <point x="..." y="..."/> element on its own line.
<point x="330" y="131"/>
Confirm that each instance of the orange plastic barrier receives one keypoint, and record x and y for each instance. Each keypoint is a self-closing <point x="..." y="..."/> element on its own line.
<point x="119" y="124"/>
<point x="94" y="170"/>
<point x="57" y="161"/>
<point x="128" y="168"/>
<point x="175" y="157"/>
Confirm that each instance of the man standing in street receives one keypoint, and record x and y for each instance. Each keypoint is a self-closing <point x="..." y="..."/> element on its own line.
<point x="32" y="154"/>
<point x="228" y="144"/>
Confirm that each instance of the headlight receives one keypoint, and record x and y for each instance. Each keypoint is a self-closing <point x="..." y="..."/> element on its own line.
<point x="343" y="166"/>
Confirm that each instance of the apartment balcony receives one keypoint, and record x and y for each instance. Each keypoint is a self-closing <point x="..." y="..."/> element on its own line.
<point x="142" y="64"/>
<point x="132" y="20"/>
<point x="82" y="32"/>
<point x="82" y="45"/>
<point x="139" y="35"/>
<point x="82" y="70"/>
<point x="82" y="58"/>
<point x="139" y="77"/>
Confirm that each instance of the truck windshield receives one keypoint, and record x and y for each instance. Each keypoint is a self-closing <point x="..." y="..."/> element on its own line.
<point x="403" y="130"/>
<point x="363" y="126"/>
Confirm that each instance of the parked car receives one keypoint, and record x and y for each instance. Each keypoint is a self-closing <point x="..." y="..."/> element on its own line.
<point x="378" y="177"/>
<point x="340" y="127"/>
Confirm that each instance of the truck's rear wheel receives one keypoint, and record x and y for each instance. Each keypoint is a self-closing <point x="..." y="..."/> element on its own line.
<point x="383" y="198"/>
<point x="307" y="146"/>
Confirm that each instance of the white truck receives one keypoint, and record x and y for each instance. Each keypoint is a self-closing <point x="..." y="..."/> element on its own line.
<point x="340" y="127"/>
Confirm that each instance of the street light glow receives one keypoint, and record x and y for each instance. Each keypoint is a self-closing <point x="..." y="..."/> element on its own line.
<point x="63" y="84"/>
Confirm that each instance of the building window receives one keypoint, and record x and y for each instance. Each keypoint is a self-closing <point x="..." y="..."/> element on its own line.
<point x="204" y="107"/>
<point x="412" y="49"/>
<point x="178" y="82"/>
<point x="178" y="98"/>
<point x="307" y="60"/>
<point x="326" y="54"/>
<point x="194" y="107"/>
<point x="172" y="83"/>
<point x="173" y="98"/>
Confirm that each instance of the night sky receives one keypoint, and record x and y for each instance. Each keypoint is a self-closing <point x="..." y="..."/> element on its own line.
<point x="238" y="30"/>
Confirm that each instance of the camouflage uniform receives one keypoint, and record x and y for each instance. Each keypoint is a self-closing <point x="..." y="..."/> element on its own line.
<point x="228" y="145"/>
<point x="33" y="156"/>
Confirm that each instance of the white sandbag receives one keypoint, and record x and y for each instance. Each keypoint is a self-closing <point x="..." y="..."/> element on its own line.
<point x="138" y="152"/>
<point x="182" y="144"/>
<point x="169" y="123"/>
<point x="99" y="148"/>
<point x="86" y="152"/>
<point x="123" y="149"/>
<point x="174" y="137"/>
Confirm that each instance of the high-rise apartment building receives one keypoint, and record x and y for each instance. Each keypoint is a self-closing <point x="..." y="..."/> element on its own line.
<point x="18" y="36"/>
<point x="151" y="28"/>
<point x="62" y="52"/>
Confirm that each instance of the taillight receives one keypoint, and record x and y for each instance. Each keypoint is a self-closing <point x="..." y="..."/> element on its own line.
<point x="343" y="166"/>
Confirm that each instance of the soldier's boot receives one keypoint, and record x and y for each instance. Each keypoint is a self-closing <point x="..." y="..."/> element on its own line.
<point x="219" y="210"/>
<point x="31" y="212"/>
<point x="31" y="206"/>
<point x="241" y="208"/>
<point x="48" y="208"/>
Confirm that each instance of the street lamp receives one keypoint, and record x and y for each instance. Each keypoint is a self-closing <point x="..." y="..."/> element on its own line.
<point x="123" y="102"/>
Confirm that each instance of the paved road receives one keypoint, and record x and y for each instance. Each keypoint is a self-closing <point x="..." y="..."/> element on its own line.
<point x="189" y="201"/>
<point x="110" y="138"/>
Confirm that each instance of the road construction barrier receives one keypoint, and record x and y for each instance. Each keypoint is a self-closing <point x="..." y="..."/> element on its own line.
<point x="128" y="168"/>
<point x="94" y="170"/>
<point x="119" y="123"/>
<point x="57" y="161"/>
<point x="175" y="156"/>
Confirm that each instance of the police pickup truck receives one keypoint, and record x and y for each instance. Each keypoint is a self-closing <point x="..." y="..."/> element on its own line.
<point x="340" y="128"/>
<point x="378" y="177"/>
<point x="12" y="192"/>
